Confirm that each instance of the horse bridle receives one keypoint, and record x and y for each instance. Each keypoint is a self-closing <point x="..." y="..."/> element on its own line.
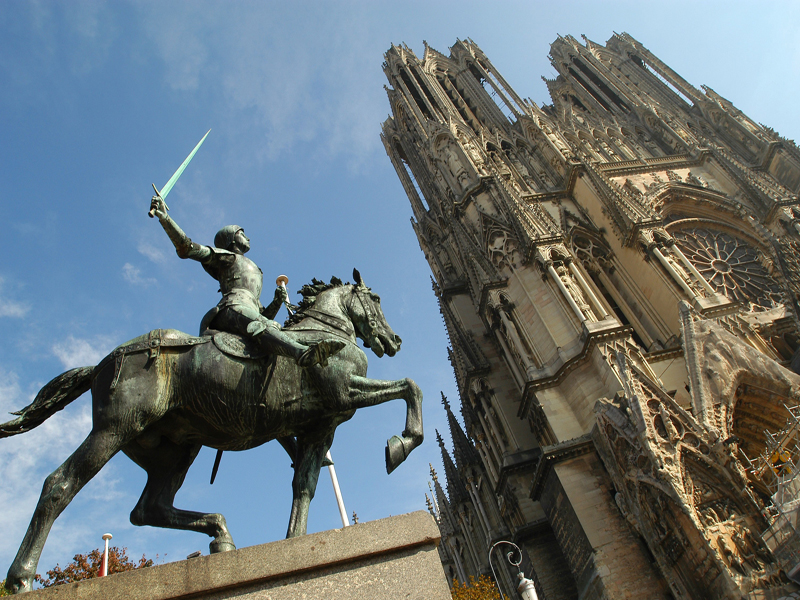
<point x="342" y="325"/>
<point x="372" y="320"/>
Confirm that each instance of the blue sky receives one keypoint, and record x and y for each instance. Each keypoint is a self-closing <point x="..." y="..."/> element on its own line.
<point x="99" y="100"/>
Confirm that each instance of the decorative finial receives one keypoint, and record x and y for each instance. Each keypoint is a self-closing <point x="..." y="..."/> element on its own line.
<point x="445" y="402"/>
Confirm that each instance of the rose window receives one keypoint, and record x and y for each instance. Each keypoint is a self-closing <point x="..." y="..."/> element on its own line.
<point x="732" y="266"/>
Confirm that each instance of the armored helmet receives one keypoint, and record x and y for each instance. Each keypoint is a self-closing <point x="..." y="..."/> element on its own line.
<point x="224" y="237"/>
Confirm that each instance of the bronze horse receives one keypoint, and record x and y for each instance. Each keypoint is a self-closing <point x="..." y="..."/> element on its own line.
<point x="161" y="401"/>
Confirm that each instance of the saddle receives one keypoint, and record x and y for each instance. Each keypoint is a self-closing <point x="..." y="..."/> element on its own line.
<point x="228" y="343"/>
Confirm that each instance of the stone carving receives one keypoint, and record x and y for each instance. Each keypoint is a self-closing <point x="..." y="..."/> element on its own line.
<point x="667" y="463"/>
<point x="452" y="160"/>
<point x="692" y="179"/>
<point x="502" y="249"/>
<point x="473" y="153"/>
<point x="631" y="188"/>
<point x="575" y="290"/>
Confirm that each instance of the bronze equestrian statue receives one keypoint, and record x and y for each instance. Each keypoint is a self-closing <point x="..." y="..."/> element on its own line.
<point x="162" y="396"/>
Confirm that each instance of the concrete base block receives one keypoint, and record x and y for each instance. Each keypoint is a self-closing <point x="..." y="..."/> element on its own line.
<point x="380" y="560"/>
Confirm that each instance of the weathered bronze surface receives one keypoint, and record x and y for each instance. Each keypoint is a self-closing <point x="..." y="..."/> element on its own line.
<point x="162" y="396"/>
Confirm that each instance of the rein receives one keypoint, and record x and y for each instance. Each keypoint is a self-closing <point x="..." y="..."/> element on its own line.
<point x="343" y="327"/>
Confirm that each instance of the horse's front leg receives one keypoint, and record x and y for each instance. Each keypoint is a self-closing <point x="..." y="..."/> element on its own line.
<point x="370" y="392"/>
<point x="311" y="451"/>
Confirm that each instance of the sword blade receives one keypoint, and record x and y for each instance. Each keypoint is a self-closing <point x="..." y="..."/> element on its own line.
<point x="168" y="186"/>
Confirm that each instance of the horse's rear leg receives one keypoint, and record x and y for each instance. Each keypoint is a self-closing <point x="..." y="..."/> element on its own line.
<point x="58" y="491"/>
<point x="166" y="467"/>
<point x="307" y="465"/>
<point x="370" y="392"/>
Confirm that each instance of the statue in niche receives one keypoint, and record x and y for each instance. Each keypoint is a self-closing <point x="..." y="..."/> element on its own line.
<point x="473" y="153"/>
<point x="521" y="168"/>
<point x="576" y="292"/>
<point x="454" y="165"/>
<point x="607" y="149"/>
<point x="499" y="163"/>
<point x="631" y="188"/>
<point x="445" y="261"/>
<point x="692" y="179"/>
<point x="651" y="146"/>
<point x="503" y="322"/>
<point x="730" y="555"/>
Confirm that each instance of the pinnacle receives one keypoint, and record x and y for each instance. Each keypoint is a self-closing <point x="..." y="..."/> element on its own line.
<point x="455" y="488"/>
<point x="463" y="450"/>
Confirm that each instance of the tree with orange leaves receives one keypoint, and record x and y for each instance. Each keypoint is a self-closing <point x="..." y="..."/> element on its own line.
<point x="482" y="588"/>
<point x="87" y="566"/>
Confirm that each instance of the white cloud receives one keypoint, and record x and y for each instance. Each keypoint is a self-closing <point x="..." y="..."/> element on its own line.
<point x="11" y="308"/>
<point x="25" y="461"/>
<point x="76" y="352"/>
<point x="134" y="275"/>
<point x="296" y="75"/>
<point x="151" y="252"/>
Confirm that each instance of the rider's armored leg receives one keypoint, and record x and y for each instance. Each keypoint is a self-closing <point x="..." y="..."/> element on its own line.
<point x="274" y="340"/>
<point x="270" y="335"/>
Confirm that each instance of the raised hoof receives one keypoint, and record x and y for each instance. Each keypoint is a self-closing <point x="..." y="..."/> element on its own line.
<point x="215" y="547"/>
<point x="395" y="453"/>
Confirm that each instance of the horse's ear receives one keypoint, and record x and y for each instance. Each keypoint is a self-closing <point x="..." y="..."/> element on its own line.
<point x="357" y="277"/>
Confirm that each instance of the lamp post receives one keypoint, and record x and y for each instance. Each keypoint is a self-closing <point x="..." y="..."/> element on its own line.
<point x="104" y="568"/>
<point x="525" y="589"/>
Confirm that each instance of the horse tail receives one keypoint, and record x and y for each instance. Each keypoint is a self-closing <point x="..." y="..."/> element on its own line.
<point x="51" y="398"/>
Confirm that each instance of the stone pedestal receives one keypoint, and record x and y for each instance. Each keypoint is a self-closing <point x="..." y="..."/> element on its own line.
<point x="380" y="560"/>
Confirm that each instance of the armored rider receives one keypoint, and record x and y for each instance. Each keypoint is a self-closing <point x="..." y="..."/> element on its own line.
<point x="240" y="280"/>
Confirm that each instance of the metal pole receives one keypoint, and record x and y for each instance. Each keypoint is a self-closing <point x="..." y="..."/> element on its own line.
<point x="337" y="492"/>
<point x="282" y="280"/>
<point x="106" y="537"/>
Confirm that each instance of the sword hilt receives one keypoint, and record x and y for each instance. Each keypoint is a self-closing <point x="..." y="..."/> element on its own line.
<point x="281" y="281"/>
<point x="152" y="212"/>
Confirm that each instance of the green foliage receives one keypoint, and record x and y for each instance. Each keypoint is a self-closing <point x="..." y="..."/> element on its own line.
<point x="87" y="566"/>
<point x="482" y="588"/>
<point x="3" y="590"/>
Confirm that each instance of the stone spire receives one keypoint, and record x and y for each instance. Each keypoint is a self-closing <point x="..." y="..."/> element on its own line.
<point x="456" y="491"/>
<point x="463" y="450"/>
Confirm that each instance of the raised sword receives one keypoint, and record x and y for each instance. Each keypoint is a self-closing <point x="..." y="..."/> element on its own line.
<point x="168" y="186"/>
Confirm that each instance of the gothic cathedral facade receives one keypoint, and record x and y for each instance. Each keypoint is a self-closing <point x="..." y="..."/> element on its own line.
<point x="619" y="276"/>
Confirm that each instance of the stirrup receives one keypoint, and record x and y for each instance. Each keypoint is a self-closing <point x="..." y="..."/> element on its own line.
<point x="319" y="353"/>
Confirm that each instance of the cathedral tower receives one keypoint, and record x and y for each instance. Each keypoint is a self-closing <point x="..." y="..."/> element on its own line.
<point x="618" y="275"/>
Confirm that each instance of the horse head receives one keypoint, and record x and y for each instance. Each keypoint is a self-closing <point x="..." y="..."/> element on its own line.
<point x="364" y="308"/>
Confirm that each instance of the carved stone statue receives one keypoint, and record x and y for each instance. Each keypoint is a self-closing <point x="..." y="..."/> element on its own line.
<point x="455" y="166"/>
<point x="576" y="292"/>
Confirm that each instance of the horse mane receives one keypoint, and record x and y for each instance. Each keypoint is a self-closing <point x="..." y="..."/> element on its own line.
<point x="310" y="291"/>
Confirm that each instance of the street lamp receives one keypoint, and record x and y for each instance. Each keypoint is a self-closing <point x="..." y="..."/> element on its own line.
<point x="525" y="589"/>
<point x="104" y="566"/>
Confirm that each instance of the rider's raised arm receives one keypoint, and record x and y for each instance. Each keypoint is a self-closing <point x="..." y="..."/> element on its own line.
<point x="184" y="246"/>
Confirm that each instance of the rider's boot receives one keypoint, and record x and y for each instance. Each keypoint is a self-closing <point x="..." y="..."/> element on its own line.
<point x="319" y="353"/>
